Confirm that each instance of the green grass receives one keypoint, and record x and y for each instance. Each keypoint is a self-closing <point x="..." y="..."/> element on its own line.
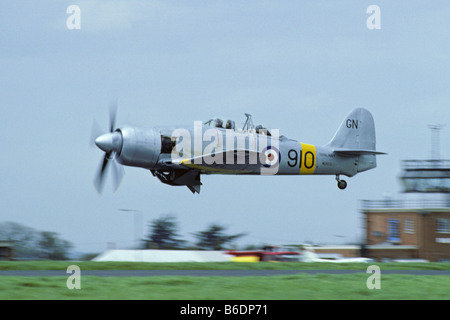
<point x="94" y="265"/>
<point x="293" y="287"/>
<point x="287" y="287"/>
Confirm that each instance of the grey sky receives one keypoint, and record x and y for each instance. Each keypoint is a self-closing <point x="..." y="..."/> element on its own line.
<point x="299" y="66"/>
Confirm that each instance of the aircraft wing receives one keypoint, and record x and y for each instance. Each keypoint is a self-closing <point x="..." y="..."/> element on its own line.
<point x="238" y="161"/>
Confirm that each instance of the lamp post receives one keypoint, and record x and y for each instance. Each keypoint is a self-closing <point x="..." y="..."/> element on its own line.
<point x="137" y="220"/>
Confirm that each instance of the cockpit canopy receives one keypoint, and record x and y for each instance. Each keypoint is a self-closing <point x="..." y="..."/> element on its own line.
<point x="218" y="123"/>
<point x="230" y="124"/>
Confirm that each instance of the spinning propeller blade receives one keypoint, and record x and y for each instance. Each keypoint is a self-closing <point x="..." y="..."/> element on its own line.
<point x="111" y="144"/>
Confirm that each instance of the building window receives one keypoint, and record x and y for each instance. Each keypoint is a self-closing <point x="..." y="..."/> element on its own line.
<point x="377" y="234"/>
<point x="393" y="230"/>
<point x="409" y="226"/>
<point x="442" y="225"/>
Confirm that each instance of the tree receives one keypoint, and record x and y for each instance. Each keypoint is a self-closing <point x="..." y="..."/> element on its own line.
<point x="23" y="238"/>
<point x="29" y="243"/>
<point x="163" y="234"/>
<point x="52" y="247"/>
<point x="214" y="238"/>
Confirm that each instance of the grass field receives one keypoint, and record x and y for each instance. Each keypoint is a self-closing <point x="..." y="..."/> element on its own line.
<point x="292" y="287"/>
<point x="95" y="265"/>
<point x="296" y="287"/>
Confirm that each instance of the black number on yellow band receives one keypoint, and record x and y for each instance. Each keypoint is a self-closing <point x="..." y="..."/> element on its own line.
<point x="308" y="159"/>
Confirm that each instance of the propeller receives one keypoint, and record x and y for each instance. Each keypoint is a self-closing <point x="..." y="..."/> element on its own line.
<point x="111" y="144"/>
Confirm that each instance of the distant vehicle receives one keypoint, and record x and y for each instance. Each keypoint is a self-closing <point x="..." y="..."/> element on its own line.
<point x="179" y="155"/>
<point x="308" y="255"/>
<point x="288" y="254"/>
<point x="268" y="253"/>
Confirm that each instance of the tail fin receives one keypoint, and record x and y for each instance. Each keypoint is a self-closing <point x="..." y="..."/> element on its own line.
<point x="356" y="138"/>
<point x="356" y="135"/>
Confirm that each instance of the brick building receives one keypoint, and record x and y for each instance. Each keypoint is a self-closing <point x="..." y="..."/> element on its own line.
<point x="417" y="227"/>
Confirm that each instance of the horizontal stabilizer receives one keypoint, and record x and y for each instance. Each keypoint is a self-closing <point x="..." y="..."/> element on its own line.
<point x="356" y="152"/>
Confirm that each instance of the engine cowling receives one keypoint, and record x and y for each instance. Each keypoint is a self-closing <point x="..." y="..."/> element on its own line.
<point x="141" y="147"/>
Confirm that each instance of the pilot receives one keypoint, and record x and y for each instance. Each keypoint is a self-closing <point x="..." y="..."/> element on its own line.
<point x="261" y="130"/>
<point x="218" y="123"/>
<point x="230" y="124"/>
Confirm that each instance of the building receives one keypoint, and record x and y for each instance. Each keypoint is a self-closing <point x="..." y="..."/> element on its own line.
<point x="418" y="225"/>
<point x="6" y="250"/>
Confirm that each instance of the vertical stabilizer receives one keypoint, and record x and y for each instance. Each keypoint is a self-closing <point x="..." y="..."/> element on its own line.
<point x="357" y="132"/>
<point x="356" y="138"/>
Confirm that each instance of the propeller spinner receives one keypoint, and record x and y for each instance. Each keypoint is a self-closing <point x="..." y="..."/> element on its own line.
<point x="111" y="143"/>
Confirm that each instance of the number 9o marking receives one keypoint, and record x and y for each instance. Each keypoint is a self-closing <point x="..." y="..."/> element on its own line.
<point x="308" y="159"/>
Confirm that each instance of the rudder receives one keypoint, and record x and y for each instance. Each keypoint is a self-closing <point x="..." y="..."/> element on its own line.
<point x="356" y="138"/>
<point x="357" y="132"/>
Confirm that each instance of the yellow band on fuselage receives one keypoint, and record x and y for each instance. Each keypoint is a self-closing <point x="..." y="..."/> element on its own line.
<point x="308" y="159"/>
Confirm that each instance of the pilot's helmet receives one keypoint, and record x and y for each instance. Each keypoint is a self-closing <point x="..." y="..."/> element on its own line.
<point x="258" y="128"/>
<point x="230" y="124"/>
<point x="218" y="123"/>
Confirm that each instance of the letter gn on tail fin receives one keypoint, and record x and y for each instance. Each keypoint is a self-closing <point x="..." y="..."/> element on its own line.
<point x="356" y="135"/>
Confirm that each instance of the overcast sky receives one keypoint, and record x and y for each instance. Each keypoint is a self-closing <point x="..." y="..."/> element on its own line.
<point x="299" y="66"/>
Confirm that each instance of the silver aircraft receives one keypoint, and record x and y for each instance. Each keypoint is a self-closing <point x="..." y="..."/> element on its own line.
<point x="179" y="155"/>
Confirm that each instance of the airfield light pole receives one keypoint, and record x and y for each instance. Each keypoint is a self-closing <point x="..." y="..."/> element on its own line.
<point x="137" y="224"/>
<point x="340" y="236"/>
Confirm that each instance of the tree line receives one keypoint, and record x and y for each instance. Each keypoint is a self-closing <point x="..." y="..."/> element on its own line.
<point x="29" y="243"/>
<point x="164" y="235"/>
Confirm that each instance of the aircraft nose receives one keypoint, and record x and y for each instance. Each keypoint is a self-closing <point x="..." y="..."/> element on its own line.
<point x="109" y="142"/>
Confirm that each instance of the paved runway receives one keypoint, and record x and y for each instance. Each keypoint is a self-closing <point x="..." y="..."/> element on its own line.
<point x="199" y="273"/>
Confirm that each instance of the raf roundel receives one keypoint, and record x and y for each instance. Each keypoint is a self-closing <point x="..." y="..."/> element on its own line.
<point x="272" y="156"/>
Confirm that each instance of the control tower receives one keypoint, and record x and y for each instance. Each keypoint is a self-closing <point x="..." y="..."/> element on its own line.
<point x="426" y="176"/>
<point x="416" y="225"/>
<point x="428" y="180"/>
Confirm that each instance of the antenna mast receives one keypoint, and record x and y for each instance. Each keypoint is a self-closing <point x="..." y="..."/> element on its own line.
<point x="435" y="140"/>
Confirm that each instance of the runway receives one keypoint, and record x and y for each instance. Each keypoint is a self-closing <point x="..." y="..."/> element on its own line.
<point x="206" y="273"/>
